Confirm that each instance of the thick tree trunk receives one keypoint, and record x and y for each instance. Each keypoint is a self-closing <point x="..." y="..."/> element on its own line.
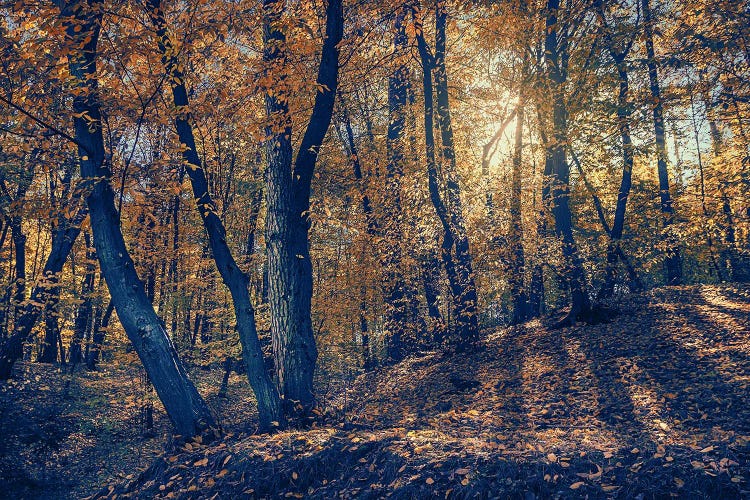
<point x="184" y="406"/>
<point x="672" y="260"/>
<point x="269" y="403"/>
<point x="288" y="206"/>
<point x="49" y="348"/>
<point x="556" y="67"/>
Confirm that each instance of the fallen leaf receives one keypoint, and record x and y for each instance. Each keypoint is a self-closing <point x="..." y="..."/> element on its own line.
<point x="576" y="485"/>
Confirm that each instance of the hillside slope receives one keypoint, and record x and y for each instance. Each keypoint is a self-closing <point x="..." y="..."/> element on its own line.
<point x="654" y="401"/>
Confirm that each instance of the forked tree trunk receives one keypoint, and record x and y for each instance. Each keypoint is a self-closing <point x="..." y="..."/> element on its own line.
<point x="288" y="206"/>
<point x="467" y="317"/>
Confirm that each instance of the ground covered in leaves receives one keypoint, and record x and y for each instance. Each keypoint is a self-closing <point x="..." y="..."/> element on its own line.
<point x="651" y="404"/>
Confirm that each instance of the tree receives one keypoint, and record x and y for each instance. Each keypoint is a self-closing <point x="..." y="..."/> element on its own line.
<point x="185" y="407"/>
<point x="269" y="404"/>
<point x="288" y="204"/>
<point x="672" y="257"/>
<point x="556" y="65"/>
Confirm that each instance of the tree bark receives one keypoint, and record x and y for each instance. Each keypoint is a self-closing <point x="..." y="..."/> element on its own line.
<point x="97" y="339"/>
<point x="467" y="317"/>
<point x="83" y="316"/>
<point x="519" y="297"/>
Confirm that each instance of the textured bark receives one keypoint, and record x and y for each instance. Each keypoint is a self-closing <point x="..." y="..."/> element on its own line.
<point x="555" y="47"/>
<point x="184" y="406"/>
<point x="49" y="349"/>
<point x="288" y="206"/>
<point x="269" y="403"/>
<point x="85" y="309"/>
<point x="672" y="260"/>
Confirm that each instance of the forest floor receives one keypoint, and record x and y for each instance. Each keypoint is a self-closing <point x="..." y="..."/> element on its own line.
<point x="651" y="404"/>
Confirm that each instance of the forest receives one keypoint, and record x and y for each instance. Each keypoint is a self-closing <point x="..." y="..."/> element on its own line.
<point x="374" y="248"/>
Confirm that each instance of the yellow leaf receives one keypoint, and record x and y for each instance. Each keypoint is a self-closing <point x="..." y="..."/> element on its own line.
<point x="295" y="475"/>
<point x="576" y="485"/>
<point x="679" y="482"/>
<point x="429" y="480"/>
<point x="552" y="457"/>
<point x="462" y="472"/>
<point x="707" y="449"/>
<point x="465" y="481"/>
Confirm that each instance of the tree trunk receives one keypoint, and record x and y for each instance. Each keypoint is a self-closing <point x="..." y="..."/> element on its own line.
<point x="518" y="293"/>
<point x="49" y="348"/>
<point x="97" y="340"/>
<point x="83" y="317"/>
<point x="270" y="411"/>
<point x="672" y="260"/>
<point x="396" y="314"/>
<point x="184" y="406"/>
<point x="467" y="318"/>
<point x="559" y="189"/>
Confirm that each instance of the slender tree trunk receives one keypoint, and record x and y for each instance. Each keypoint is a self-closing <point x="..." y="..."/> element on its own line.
<point x="184" y="406"/>
<point x="269" y="403"/>
<point x="83" y="317"/>
<point x="97" y="340"/>
<point x="623" y="124"/>
<point x="556" y="66"/>
<point x="398" y="82"/>
<point x="672" y="260"/>
<point x="433" y="177"/>
<point x="518" y="293"/>
<point x="467" y="317"/>
<point x="430" y="269"/>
